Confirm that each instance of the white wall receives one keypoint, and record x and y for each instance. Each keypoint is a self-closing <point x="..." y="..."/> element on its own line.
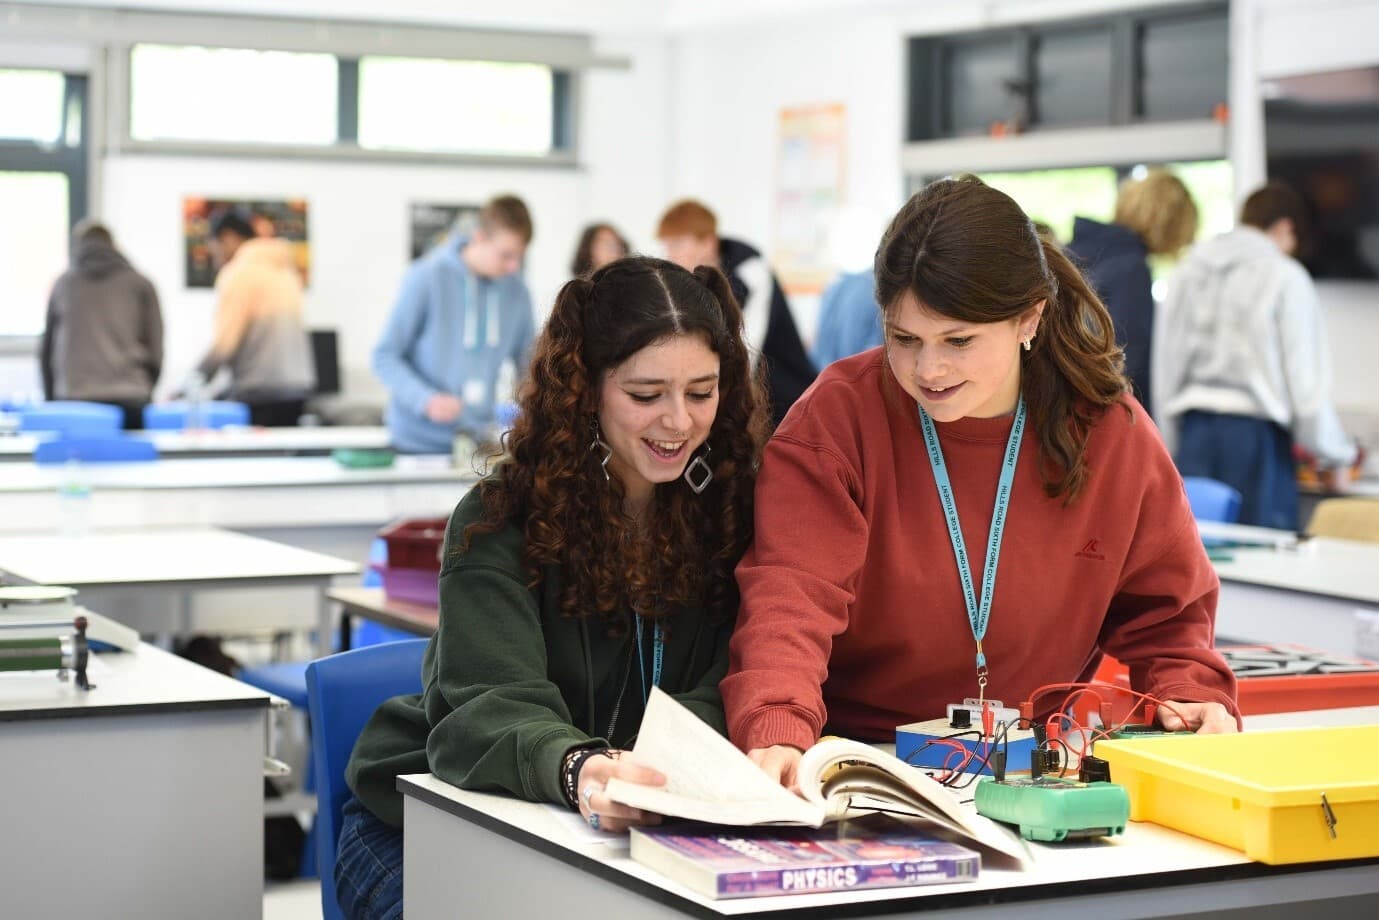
<point x="358" y="212"/>
<point x="731" y="79"/>
<point x="627" y="144"/>
<point x="729" y="88"/>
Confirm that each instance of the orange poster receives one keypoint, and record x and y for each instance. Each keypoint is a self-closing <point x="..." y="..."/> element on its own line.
<point x="809" y="190"/>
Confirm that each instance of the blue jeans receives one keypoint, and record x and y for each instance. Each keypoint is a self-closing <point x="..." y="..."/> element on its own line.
<point x="368" y="866"/>
<point x="1253" y="455"/>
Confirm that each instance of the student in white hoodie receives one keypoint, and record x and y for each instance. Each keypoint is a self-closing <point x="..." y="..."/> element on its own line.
<point x="1240" y="365"/>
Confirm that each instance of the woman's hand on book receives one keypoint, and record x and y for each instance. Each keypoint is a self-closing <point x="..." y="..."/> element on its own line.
<point x="781" y="762"/>
<point x="1203" y="718"/>
<point x="614" y="817"/>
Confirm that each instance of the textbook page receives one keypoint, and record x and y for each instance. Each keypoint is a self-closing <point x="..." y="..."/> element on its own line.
<point x="707" y="778"/>
<point x="851" y="777"/>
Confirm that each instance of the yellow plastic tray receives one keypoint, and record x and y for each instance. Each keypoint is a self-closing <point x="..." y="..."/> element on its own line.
<point x="1260" y="792"/>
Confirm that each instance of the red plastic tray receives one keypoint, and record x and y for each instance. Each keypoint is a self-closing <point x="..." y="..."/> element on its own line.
<point x="1286" y="678"/>
<point x="415" y="543"/>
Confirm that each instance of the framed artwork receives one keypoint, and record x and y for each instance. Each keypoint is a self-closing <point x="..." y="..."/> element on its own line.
<point x="432" y="223"/>
<point x="284" y="218"/>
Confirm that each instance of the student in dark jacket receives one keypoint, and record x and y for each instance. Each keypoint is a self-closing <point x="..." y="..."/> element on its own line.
<point x="594" y="563"/>
<point x="1155" y="215"/>
<point x="689" y="232"/>
<point x="103" y="336"/>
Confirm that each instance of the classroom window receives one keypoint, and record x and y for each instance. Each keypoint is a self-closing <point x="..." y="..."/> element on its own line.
<point x="1056" y="196"/>
<point x="33" y="109"/>
<point x="1152" y="64"/>
<point x="237" y="95"/>
<point x="1072" y="77"/>
<point x="979" y="73"/>
<point x="33" y="249"/>
<point x="1184" y="67"/>
<point x="476" y="107"/>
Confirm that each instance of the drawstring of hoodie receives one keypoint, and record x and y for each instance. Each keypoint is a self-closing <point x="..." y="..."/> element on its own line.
<point x="480" y="312"/>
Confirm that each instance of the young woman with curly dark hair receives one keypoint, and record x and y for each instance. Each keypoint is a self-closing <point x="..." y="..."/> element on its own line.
<point x="595" y="562"/>
<point x="993" y="426"/>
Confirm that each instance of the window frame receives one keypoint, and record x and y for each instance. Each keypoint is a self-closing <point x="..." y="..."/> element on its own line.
<point x="929" y="92"/>
<point x="561" y="135"/>
<point x="563" y="155"/>
<point x="126" y="114"/>
<point x="73" y="161"/>
<point x="18" y="155"/>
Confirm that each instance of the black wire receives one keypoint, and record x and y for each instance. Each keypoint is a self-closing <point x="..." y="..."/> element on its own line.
<point x="1065" y="757"/>
<point x="999" y="735"/>
<point x="932" y="741"/>
<point x="1001" y="731"/>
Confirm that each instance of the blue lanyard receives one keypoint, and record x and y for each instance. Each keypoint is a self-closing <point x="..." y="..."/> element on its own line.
<point x="977" y="616"/>
<point x="658" y="642"/>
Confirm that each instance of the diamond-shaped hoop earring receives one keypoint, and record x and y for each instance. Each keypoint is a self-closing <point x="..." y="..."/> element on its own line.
<point x="598" y="444"/>
<point x="700" y="468"/>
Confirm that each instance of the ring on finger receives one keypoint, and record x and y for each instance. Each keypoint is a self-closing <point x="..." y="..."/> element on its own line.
<point x="594" y="820"/>
<point x="589" y="796"/>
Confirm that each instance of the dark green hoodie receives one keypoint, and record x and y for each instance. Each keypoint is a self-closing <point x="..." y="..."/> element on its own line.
<point x="510" y="685"/>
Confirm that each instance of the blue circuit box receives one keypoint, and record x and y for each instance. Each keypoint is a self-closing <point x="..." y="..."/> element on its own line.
<point x="912" y="746"/>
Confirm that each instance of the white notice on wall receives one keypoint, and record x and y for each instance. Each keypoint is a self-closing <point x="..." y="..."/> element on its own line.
<point x="1367" y="634"/>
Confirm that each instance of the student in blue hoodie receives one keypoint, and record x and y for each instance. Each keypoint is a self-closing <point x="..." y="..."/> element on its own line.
<point x="463" y="311"/>
<point x="1155" y="215"/>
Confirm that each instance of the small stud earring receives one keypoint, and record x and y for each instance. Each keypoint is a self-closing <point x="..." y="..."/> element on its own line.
<point x="1029" y="343"/>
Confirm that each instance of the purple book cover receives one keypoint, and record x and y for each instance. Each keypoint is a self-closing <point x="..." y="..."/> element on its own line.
<point x="724" y="862"/>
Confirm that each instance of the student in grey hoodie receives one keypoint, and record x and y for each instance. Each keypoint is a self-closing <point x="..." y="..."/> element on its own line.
<point x="103" y="337"/>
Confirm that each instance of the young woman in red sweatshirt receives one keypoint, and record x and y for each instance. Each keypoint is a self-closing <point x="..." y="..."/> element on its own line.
<point x="979" y="501"/>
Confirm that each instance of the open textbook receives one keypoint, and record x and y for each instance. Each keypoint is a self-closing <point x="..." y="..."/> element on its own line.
<point x="708" y="779"/>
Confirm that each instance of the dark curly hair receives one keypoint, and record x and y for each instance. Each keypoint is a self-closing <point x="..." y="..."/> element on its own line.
<point x="967" y="251"/>
<point x="573" y="520"/>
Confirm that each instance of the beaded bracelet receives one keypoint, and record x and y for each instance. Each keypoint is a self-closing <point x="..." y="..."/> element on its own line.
<point x="570" y="766"/>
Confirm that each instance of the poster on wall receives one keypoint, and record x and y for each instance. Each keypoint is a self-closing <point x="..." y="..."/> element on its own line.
<point x="809" y="189"/>
<point x="431" y="223"/>
<point x="285" y="218"/>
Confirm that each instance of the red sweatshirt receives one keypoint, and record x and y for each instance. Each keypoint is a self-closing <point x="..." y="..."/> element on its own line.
<point x="852" y="609"/>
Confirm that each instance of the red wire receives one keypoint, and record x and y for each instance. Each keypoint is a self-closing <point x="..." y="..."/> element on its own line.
<point x="1096" y="687"/>
<point x="1057" y="720"/>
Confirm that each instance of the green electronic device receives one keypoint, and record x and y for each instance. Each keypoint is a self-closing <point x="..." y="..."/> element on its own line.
<point x="1140" y="730"/>
<point x="1050" y="808"/>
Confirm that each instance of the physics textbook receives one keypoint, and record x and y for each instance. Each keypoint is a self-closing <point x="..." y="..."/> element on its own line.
<point x="721" y="862"/>
<point x="709" y="780"/>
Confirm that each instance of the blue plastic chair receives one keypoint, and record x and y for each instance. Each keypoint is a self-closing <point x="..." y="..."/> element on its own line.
<point x="111" y="449"/>
<point x="287" y="679"/>
<point x="73" y="419"/>
<point x="1212" y="500"/>
<point x="342" y="693"/>
<point x="174" y="416"/>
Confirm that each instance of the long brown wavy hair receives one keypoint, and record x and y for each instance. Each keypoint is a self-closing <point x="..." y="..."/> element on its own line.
<point x="684" y="549"/>
<point x="967" y="251"/>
